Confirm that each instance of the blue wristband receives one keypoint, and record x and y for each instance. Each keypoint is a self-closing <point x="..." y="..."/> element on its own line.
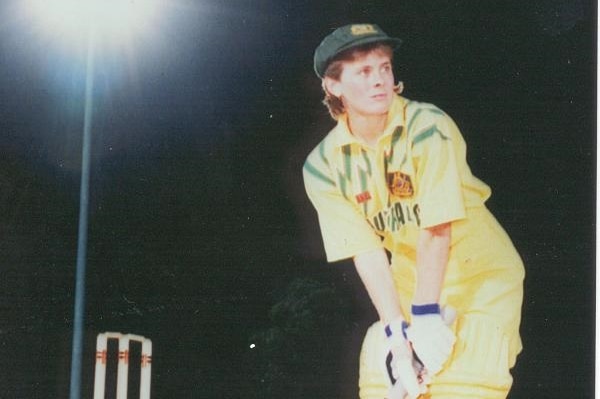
<point x="389" y="333"/>
<point x="421" y="310"/>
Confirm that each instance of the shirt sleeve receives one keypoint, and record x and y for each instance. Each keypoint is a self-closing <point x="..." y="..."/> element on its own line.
<point x="344" y="230"/>
<point x="438" y="150"/>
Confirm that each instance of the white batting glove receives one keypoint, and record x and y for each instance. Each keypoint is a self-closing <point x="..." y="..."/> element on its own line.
<point x="404" y="381"/>
<point x="431" y="339"/>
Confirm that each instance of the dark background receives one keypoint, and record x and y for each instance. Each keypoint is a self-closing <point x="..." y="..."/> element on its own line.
<point x="200" y="233"/>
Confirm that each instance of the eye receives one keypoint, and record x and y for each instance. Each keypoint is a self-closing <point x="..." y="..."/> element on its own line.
<point x="364" y="71"/>
<point x="386" y="68"/>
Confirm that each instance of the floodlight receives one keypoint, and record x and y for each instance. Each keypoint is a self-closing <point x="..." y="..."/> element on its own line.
<point x="109" y="23"/>
<point x="112" y="20"/>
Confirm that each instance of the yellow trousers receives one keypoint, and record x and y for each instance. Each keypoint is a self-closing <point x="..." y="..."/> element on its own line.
<point x="484" y="283"/>
<point x="478" y="368"/>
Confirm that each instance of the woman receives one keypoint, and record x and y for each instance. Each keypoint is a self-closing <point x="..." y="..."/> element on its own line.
<point x="391" y="178"/>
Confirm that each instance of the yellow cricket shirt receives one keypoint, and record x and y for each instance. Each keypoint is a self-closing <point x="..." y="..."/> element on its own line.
<point x="416" y="176"/>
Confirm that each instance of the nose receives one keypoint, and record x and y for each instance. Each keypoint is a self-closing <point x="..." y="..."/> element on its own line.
<point x="376" y="78"/>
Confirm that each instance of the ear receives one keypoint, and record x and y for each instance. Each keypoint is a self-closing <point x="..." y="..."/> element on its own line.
<point x="332" y="86"/>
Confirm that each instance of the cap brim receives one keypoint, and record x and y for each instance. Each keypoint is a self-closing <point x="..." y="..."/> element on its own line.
<point x="392" y="41"/>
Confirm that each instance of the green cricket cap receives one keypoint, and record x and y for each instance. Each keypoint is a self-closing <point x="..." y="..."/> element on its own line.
<point x="347" y="37"/>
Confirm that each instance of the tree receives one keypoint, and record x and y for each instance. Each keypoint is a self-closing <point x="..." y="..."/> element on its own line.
<point x="299" y="355"/>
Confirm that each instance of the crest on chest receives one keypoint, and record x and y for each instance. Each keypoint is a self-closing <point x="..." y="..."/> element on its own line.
<point x="400" y="184"/>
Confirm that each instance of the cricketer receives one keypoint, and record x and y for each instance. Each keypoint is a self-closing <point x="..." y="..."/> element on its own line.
<point x="394" y="193"/>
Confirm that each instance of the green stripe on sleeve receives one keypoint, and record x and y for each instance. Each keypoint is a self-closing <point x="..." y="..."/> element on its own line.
<point x="424" y="135"/>
<point x="318" y="174"/>
<point x="322" y="153"/>
<point x="436" y="111"/>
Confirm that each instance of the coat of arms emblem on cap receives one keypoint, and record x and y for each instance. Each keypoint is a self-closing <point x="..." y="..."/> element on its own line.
<point x="362" y="29"/>
<point x="399" y="184"/>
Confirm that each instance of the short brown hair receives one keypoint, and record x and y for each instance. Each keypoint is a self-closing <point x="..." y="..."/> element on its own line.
<point x="334" y="71"/>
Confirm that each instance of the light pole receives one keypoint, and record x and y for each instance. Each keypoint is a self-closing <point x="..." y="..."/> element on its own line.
<point x="110" y="21"/>
<point x="84" y="194"/>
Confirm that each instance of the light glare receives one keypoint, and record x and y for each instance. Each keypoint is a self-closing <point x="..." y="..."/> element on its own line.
<point x="110" y="19"/>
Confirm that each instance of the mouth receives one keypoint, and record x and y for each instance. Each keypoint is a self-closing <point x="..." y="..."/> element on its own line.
<point x="379" y="97"/>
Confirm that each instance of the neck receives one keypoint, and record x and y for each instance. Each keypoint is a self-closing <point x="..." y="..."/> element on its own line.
<point x="367" y="128"/>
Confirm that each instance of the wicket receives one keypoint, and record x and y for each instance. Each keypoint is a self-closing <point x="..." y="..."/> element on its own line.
<point x="123" y="364"/>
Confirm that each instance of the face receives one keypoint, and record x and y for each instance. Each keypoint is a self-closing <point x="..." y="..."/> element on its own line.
<point x="366" y="84"/>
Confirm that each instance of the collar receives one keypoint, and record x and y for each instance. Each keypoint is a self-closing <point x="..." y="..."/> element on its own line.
<point x="396" y="117"/>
